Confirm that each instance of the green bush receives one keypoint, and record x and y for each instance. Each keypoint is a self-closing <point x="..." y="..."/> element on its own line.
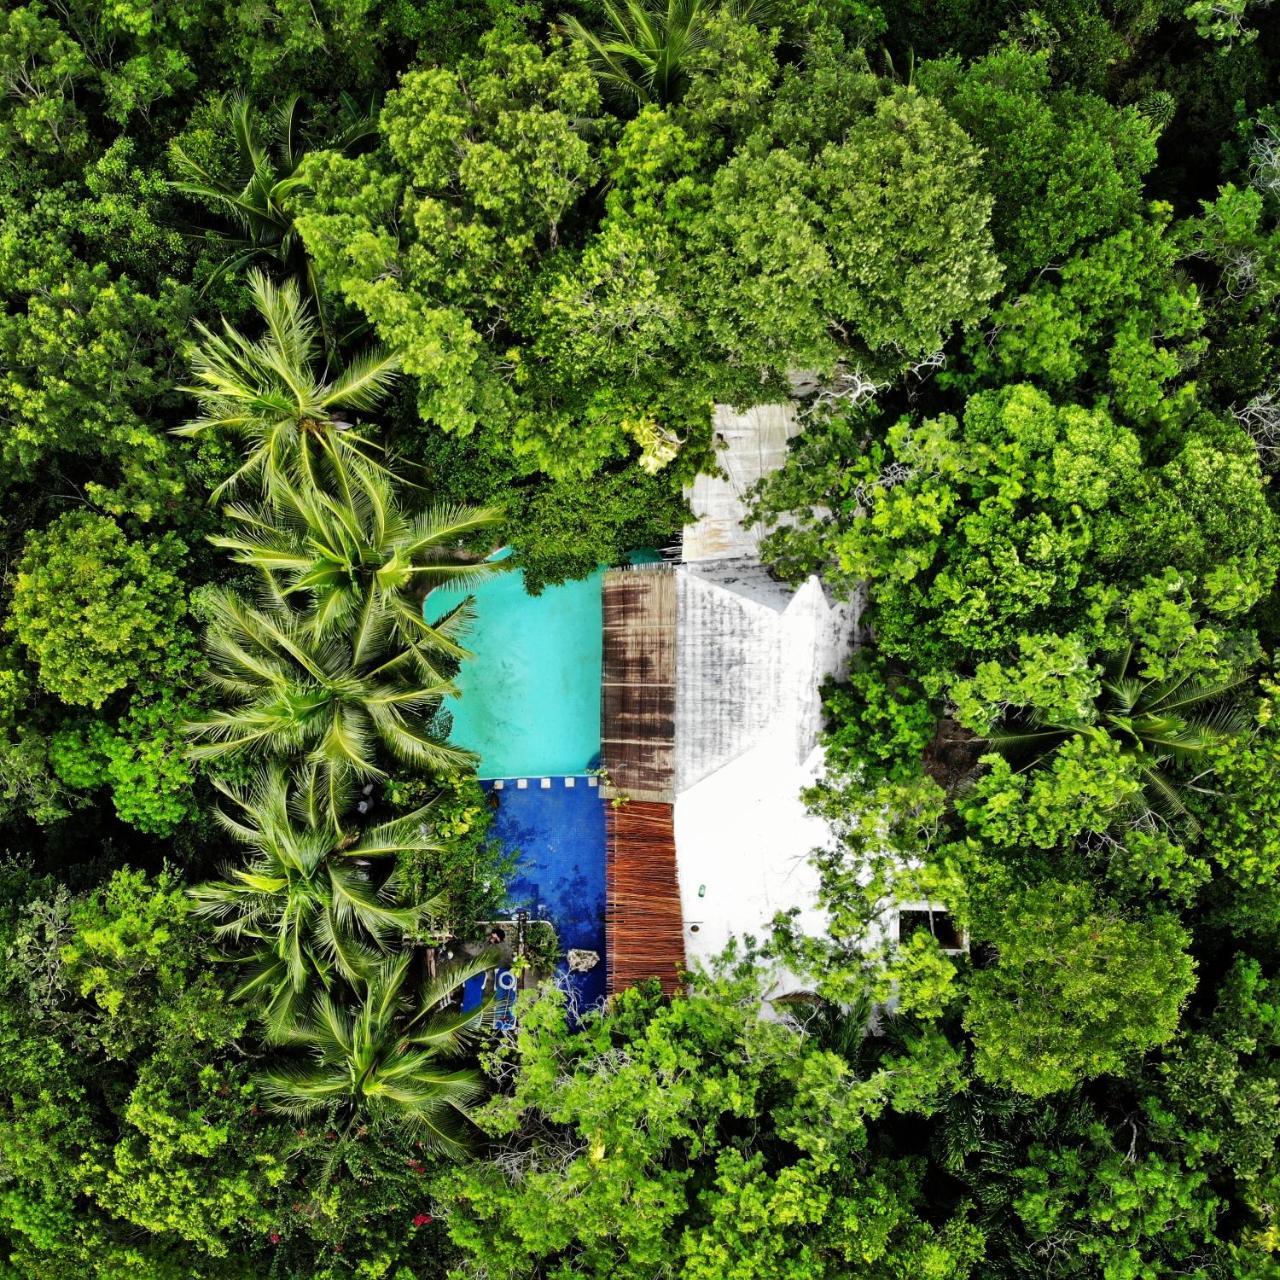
<point x="96" y="610"/>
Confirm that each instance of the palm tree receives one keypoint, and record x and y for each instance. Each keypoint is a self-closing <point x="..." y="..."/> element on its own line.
<point x="341" y="704"/>
<point x="388" y="1059"/>
<point x="270" y="394"/>
<point x="255" y="198"/>
<point x="306" y="898"/>
<point x="1165" y="726"/>
<point x="644" y="52"/>
<point x="366" y="557"/>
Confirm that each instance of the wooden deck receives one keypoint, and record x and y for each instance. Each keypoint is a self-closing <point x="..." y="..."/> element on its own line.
<point x="638" y="684"/>
<point x="643" y="920"/>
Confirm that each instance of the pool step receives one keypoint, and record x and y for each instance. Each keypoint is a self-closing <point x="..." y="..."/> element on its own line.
<point x="522" y="784"/>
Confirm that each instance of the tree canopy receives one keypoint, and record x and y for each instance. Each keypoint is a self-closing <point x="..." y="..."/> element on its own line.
<point x="308" y="307"/>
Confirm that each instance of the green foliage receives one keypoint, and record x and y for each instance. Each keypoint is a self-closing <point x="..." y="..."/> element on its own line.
<point x="596" y="1116"/>
<point x="1233" y="234"/>
<point x="116" y="1072"/>
<point x="879" y="724"/>
<point x="39" y="67"/>
<point x="129" y="955"/>
<point x="132" y="53"/>
<point x="482" y="169"/>
<point x="1223" y="21"/>
<point x="29" y="786"/>
<point x="644" y="52"/>
<point x="343" y="708"/>
<point x="124" y="217"/>
<point x="584" y="336"/>
<point x="272" y="395"/>
<point x="82" y="357"/>
<point x="465" y="870"/>
<point x="1127" y="1218"/>
<point x="392" y="1060"/>
<point x="78" y="754"/>
<point x="1244" y="838"/>
<point x="362" y="555"/>
<point x="151" y="779"/>
<point x="1169" y="635"/>
<point x="1237" y="240"/>
<point x="573" y="277"/>
<point x="143" y="760"/>
<point x="1075" y="989"/>
<point x="570" y="527"/>
<point x="1054" y="674"/>
<point x="96" y="610"/>
<point x="1063" y="167"/>
<point x="1218" y="1085"/>
<point x="1118" y="320"/>
<point x="305" y="903"/>
<point x="1215" y="519"/>
<point x="254" y="198"/>
<point x="886" y="848"/>
<point x="973" y="532"/>
<point x="1154" y="734"/>
<point x="1021" y="520"/>
<point x="881" y="236"/>
<point x="1085" y="785"/>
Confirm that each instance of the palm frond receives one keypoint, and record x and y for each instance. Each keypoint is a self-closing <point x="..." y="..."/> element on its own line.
<point x="364" y="382"/>
<point x="448" y="980"/>
<point x="1188" y="694"/>
<point x="1165" y="798"/>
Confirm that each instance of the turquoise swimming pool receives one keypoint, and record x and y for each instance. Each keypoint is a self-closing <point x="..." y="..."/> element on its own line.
<point x="530" y="698"/>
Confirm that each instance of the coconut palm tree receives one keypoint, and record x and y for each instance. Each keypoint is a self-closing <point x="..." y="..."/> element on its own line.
<point x="341" y="704"/>
<point x="272" y="395"/>
<point x="391" y="1058"/>
<point x="1165" y="726"/>
<point x="306" y="898"/>
<point x="366" y="557"/>
<point x="256" y="198"/>
<point x="644" y="51"/>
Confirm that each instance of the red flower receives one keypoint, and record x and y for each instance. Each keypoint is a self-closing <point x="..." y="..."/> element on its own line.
<point x="422" y="1220"/>
<point x="274" y="1237"/>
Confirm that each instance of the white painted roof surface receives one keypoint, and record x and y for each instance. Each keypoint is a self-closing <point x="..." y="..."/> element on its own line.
<point x="751" y="657"/>
<point x="744" y="837"/>
<point x="750" y="445"/>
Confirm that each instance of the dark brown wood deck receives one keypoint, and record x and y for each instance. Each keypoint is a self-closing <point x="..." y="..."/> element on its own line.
<point x="638" y="684"/>
<point x="643" y="920"/>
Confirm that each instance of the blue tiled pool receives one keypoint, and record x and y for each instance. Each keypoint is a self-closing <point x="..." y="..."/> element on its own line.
<point x="560" y="833"/>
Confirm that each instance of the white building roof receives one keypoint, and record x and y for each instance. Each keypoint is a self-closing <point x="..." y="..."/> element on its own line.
<point x="751" y="657"/>
<point x="749" y="446"/>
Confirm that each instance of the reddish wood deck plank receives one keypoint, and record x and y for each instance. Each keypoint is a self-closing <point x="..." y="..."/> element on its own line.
<point x="642" y="903"/>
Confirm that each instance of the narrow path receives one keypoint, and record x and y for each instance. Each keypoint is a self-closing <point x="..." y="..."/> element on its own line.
<point x="644" y="926"/>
